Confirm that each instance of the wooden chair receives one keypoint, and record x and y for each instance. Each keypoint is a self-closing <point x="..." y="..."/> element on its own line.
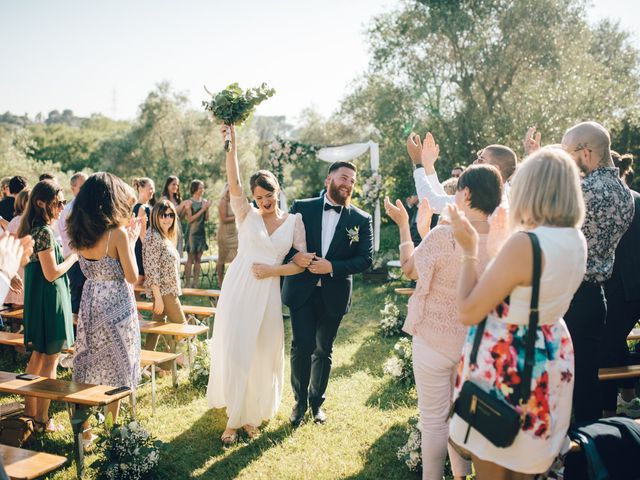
<point x="617" y="373"/>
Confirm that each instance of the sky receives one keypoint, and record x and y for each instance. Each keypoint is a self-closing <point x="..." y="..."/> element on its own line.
<point x="105" y="57"/>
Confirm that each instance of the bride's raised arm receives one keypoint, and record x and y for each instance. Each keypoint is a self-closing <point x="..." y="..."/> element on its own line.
<point x="239" y="203"/>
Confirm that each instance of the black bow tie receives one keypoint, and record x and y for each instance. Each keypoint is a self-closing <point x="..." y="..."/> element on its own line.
<point x="337" y="208"/>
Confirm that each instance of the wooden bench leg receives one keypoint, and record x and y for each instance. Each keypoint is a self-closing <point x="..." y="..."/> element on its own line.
<point x="78" y="417"/>
<point x="174" y="372"/>
<point x="132" y="399"/>
<point x="153" y="389"/>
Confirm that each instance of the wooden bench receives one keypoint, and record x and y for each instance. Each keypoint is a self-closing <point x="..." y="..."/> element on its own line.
<point x="23" y="464"/>
<point x="82" y="397"/>
<point x="617" y="373"/>
<point x="151" y="359"/>
<point x="177" y="330"/>
<point x="12" y="339"/>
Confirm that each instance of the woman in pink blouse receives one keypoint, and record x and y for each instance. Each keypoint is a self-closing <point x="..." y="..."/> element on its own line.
<point x="432" y="320"/>
<point x="162" y="269"/>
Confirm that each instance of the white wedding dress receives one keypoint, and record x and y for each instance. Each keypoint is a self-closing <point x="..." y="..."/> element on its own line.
<point x="247" y="346"/>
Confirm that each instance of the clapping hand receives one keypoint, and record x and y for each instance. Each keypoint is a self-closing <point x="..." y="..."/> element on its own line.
<point x="414" y="148"/>
<point x="430" y="152"/>
<point x="531" y="141"/>
<point x="134" y="227"/>
<point x="11" y="254"/>
<point x="463" y="231"/>
<point x="423" y="220"/>
<point x="396" y="212"/>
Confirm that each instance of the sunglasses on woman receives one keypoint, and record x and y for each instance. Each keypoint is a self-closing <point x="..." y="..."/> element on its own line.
<point x="59" y="203"/>
<point x="168" y="215"/>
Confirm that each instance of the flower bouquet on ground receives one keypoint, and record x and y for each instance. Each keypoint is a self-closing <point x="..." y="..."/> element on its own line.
<point x="391" y="320"/>
<point x="233" y="106"/>
<point x="199" y="374"/>
<point x="410" y="453"/>
<point x="129" y="452"/>
<point x="400" y="366"/>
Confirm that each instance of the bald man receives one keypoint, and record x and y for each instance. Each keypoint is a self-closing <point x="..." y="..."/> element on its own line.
<point x="609" y="210"/>
<point x="424" y="155"/>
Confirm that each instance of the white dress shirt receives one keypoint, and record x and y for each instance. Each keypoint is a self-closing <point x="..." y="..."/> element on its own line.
<point x="429" y="186"/>
<point x="329" y="221"/>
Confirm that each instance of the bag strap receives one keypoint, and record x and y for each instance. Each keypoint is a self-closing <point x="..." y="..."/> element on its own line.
<point x="529" y="359"/>
<point x="532" y="330"/>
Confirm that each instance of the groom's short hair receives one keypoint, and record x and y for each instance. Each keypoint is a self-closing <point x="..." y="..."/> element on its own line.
<point x="336" y="165"/>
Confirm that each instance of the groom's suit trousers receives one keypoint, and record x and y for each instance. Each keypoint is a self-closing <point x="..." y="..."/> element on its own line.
<point x="314" y="330"/>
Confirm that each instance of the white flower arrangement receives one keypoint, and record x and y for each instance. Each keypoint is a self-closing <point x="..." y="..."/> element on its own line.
<point x="400" y="366"/>
<point x="199" y="374"/>
<point x="390" y="320"/>
<point x="410" y="453"/>
<point x="282" y="152"/>
<point x="353" y="234"/>
<point x="372" y="189"/>
<point x="130" y="453"/>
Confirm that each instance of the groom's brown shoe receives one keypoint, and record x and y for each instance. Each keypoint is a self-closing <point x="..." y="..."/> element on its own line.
<point x="318" y="414"/>
<point x="297" y="415"/>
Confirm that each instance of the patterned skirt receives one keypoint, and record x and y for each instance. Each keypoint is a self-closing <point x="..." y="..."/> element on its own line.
<point x="500" y="365"/>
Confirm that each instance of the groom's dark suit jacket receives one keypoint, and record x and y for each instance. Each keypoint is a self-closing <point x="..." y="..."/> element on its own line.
<point x="347" y="257"/>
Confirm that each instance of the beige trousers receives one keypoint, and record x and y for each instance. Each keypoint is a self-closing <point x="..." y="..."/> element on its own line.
<point x="173" y="312"/>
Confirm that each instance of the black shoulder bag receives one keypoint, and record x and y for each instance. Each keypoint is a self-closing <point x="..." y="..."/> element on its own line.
<point x="494" y="418"/>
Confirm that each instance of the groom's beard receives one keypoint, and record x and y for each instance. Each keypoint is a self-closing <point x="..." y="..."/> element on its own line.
<point x="339" y="194"/>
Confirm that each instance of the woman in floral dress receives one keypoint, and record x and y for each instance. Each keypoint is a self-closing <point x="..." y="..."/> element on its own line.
<point x="108" y="339"/>
<point x="545" y="199"/>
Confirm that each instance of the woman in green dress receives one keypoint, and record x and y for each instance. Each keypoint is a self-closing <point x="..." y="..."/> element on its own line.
<point x="197" y="213"/>
<point x="48" y="322"/>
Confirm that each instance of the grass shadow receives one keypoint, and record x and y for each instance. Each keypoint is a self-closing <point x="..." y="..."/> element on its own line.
<point x="391" y="395"/>
<point x="369" y="357"/>
<point x="195" y="447"/>
<point x="381" y="460"/>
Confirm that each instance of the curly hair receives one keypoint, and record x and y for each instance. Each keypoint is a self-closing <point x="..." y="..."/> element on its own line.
<point x="103" y="202"/>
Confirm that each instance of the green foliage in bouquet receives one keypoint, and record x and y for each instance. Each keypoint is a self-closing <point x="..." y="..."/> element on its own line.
<point x="129" y="452"/>
<point x="233" y="106"/>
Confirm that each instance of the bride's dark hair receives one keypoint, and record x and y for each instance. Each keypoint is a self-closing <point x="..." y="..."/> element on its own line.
<point x="264" y="179"/>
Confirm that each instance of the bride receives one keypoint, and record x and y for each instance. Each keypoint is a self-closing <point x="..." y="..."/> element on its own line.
<point x="247" y="347"/>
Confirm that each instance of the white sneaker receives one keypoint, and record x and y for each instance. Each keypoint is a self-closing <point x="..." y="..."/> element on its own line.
<point x="628" y="409"/>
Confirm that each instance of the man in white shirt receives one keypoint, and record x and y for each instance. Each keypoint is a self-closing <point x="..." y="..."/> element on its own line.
<point x="424" y="156"/>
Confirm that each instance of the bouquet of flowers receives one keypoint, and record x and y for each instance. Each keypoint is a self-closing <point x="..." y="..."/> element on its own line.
<point x="233" y="106"/>
<point x="410" y="453"/>
<point x="130" y="453"/>
<point x="199" y="374"/>
<point x="400" y="366"/>
<point x="372" y="189"/>
<point x="391" y="320"/>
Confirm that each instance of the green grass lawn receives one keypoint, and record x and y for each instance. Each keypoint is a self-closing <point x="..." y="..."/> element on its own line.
<point x="367" y="416"/>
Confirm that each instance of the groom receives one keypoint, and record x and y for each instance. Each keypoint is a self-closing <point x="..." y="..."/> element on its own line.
<point x="340" y="240"/>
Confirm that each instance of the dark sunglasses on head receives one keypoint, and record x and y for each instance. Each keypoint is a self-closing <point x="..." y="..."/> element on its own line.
<point x="168" y="215"/>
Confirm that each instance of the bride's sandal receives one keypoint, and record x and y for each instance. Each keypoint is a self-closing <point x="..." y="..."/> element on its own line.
<point x="251" y="431"/>
<point x="229" y="436"/>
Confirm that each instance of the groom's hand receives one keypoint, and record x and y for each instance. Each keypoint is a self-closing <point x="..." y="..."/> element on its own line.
<point x="321" y="266"/>
<point x="302" y="259"/>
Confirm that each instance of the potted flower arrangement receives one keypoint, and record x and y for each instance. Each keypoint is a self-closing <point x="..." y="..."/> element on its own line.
<point x="400" y="365"/>
<point x="391" y="320"/>
<point x="378" y="271"/>
<point x="411" y="452"/>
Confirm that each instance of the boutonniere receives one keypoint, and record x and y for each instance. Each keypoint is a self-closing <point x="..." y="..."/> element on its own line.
<point x="353" y="234"/>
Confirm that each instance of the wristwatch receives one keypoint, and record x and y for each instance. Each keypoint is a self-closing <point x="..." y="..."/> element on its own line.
<point x="417" y="166"/>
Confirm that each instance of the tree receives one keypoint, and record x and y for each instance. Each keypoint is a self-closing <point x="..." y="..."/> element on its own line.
<point x="481" y="72"/>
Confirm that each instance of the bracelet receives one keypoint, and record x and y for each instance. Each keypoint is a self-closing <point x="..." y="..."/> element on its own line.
<point x="403" y="244"/>
<point x="469" y="257"/>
